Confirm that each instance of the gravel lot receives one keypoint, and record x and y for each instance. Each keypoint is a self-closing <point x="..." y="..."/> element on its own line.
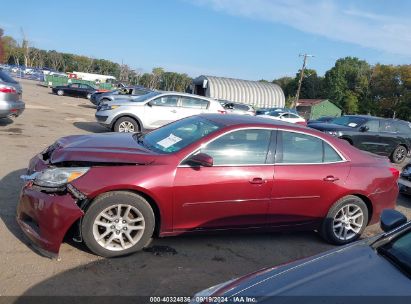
<point x="176" y="266"/>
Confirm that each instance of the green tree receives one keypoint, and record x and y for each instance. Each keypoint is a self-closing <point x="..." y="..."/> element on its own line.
<point x="348" y="80"/>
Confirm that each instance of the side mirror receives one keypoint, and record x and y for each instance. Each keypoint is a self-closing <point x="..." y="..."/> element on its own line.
<point x="391" y="219"/>
<point x="364" y="129"/>
<point x="200" y="159"/>
<point x="150" y="104"/>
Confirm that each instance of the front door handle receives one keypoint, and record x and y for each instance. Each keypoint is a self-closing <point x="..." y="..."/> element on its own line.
<point x="173" y="111"/>
<point x="330" y="178"/>
<point x="257" y="180"/>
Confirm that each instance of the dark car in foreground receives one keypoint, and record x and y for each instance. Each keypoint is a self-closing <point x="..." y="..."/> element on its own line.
<point x="126" y="93"/>
<point x="383" y="136"/>
<point x="11" y="104"/>
<point x="378" y="266"/>
<point x="203" y="173"/>
<point x="75" y="89"/>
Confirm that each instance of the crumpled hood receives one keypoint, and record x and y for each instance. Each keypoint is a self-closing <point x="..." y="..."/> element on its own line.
<point x="100" y="148"/>
<point x="350" y="271"/>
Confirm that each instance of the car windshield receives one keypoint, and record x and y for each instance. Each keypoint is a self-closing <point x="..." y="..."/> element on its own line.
<point x="5" y="77"/>
<point x="399" y="252"/>
<point x="145" y="96"/>
<point x="349" y="121"/>
<point x="175" y="136"/>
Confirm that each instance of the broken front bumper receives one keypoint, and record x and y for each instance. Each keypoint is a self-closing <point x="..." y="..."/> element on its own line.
<point x="46" y="217"/>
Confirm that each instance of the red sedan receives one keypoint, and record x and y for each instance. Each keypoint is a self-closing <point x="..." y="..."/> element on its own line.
<point x="202" y="173"/>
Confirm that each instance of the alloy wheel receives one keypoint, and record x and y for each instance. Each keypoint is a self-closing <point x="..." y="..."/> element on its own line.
<point x="400" y="154"/>
<point x="126" y="126"/>
<point x="348" y="222"/>
<point x="118" y="227"/>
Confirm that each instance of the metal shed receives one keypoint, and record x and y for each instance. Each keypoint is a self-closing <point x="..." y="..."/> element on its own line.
<point x="256" y="93"/>
<point x="315" y="108"/>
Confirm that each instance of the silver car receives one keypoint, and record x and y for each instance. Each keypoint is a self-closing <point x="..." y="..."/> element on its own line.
<point x="11" y="104"/>
<point x="237" y="108"/>
<point x="122" y="93"/>
<point x="153" y="110"/>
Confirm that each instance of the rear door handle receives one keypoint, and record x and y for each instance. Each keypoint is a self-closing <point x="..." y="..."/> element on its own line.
<point x="173" y="111"/>
<point x="257" y="180"/>
<point x="330" y="178"/>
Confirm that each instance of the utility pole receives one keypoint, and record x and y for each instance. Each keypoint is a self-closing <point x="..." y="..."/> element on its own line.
<point x="297" y="96"/>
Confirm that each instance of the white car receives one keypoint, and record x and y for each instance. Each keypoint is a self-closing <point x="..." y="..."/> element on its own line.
<point x="153" y="110"/>
<point x="286" y="116"/>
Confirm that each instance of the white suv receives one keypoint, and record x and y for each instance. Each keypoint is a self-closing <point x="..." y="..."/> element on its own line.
<point x="153" y="110"/>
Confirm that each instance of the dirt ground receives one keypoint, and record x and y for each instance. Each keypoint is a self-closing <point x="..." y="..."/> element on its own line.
<point x="177" y="266"/>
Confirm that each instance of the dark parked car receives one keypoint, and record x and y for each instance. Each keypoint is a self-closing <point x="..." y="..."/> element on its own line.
<point x="11" y="104"/>
<point x="378" y="266"/>
<point x="383" y="136"/>
<point x="322" y="119"/>
<point x="202" y="173"/>
<point x="405" y="180"/>
<point x="75" y="89"/>
<point x="126" y="93"/>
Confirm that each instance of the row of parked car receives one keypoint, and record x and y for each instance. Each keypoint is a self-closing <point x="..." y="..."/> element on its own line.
<point x="137" y="109"/>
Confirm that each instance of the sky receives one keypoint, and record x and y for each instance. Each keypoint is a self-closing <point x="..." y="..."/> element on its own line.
<point x="247" y="39"/>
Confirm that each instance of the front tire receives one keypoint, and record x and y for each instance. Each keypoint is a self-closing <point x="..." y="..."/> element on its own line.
<point x="118" y="223"/>
<point x="399" y="154"/>
<point x="345" y="221"/>
<point x="126" y="125"/>
<point x="88" y="96"/>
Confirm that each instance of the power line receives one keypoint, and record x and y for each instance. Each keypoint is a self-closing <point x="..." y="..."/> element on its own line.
<point x="297" y="96"/>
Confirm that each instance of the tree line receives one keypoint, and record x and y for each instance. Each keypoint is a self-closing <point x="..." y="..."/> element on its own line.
<point x="357" y="87"/>
<point x="14" y="53"/>
<point x="352" y="84"/>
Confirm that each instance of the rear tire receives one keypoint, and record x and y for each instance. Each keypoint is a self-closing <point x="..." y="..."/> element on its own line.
<point x="399" y="154"/>
<point x="118" y="223"/>
<point x="126" y="125"/>
<point x="88" y="96"/>
<point x="345" y="221"/>
<point x="60" y="92"/>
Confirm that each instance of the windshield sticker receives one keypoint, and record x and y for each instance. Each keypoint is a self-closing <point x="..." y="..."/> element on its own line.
<point x="169" y="141"/>
<point x="352" y="124"/>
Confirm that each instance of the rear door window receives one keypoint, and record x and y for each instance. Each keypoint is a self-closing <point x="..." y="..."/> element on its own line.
<point x="387" y="126"/>
<point x="196" y="103"/>
<point x="298" y="148"/>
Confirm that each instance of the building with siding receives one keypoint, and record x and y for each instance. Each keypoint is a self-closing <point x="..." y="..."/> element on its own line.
<point x="255" y="93"/>
<point x="315" y="108"/>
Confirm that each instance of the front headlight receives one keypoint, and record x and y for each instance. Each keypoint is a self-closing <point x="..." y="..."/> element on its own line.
<point x="56" y="177"/>
<point x="106" y="107"/>
<point x="334" y="133"/>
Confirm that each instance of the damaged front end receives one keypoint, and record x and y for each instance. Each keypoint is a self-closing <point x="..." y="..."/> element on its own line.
<point x="49" y="204"/>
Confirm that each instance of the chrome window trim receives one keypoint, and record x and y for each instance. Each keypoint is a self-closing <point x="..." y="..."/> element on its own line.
<point x="343" y="159"/>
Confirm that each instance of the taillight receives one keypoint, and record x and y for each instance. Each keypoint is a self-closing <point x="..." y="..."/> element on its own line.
<point x="8" y="90"/>
<point x="222" y="111"/>
<point x="395" y="172"/>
